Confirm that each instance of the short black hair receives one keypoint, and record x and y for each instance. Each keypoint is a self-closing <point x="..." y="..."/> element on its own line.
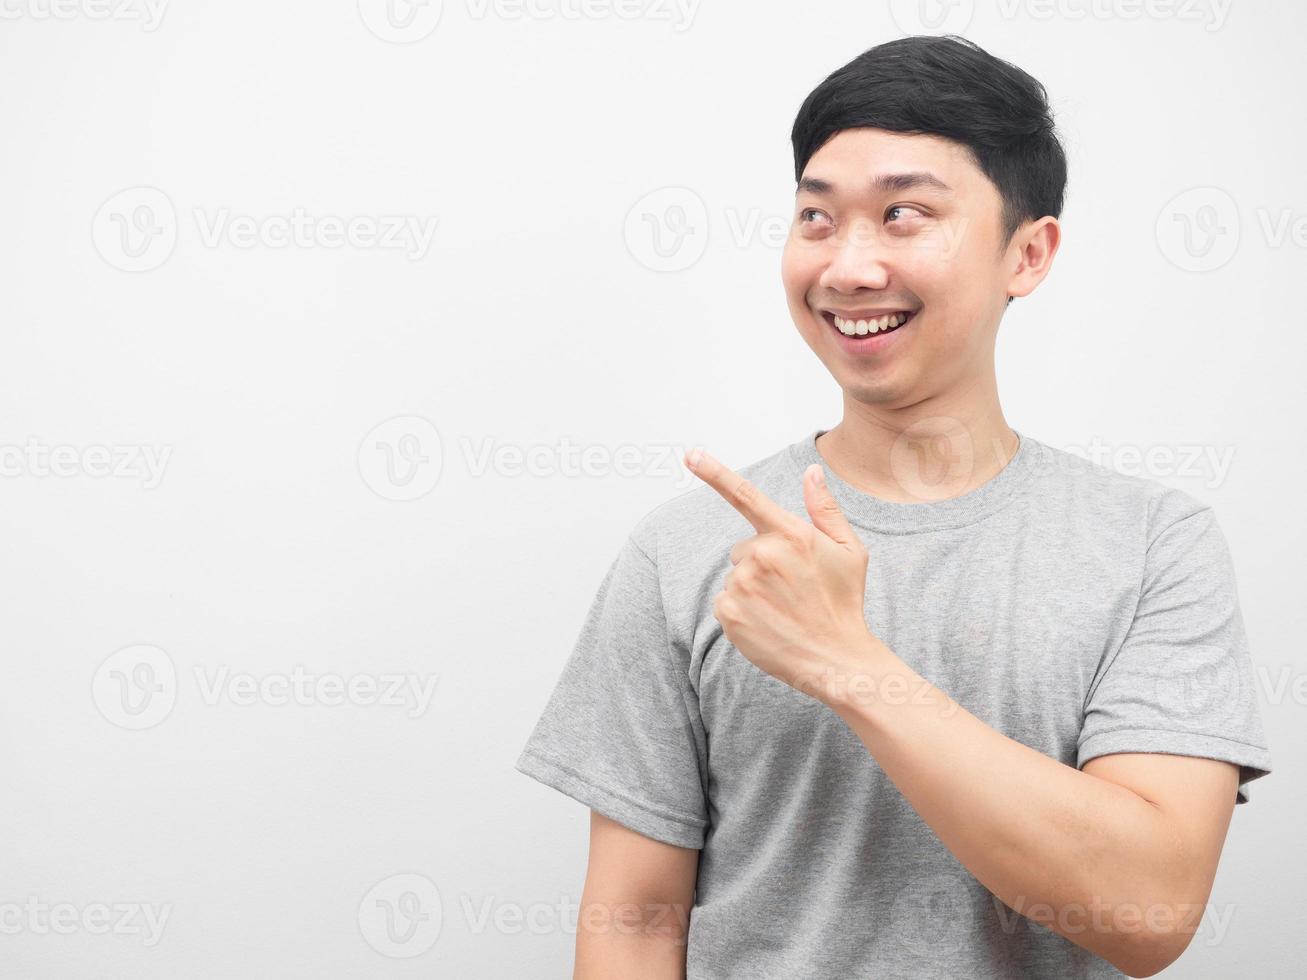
<point x="951" y="87"/>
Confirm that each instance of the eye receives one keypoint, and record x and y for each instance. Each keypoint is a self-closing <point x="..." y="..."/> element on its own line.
<point x="803" y="215"/>
<point x="903" y="207"/>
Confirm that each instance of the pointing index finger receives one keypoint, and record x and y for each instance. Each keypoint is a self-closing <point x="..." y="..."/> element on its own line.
<point x="758" y="509"/>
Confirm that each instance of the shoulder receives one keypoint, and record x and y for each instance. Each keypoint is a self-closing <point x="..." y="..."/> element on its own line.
<point x="696" y="526"/>
<point x="1139" y="506"/>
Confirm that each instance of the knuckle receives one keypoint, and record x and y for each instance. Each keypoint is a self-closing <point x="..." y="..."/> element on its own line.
<point x="745" y="492"/>
<point x="764" y="557"/>
<point x="787" y="540"/>
<point x="722" y="608"/>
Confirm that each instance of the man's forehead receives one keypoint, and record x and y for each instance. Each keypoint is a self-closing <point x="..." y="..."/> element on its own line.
<point x="863" y="160"/>
<point x="881" y="183"/>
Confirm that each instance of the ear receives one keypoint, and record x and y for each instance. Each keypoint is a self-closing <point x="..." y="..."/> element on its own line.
<point x="1032" y="248"/>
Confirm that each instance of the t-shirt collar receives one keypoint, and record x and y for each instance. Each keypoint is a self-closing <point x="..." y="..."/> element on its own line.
<point x="866" y="510"/>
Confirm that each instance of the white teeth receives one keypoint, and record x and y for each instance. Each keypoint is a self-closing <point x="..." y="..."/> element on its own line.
<point x="859" y="328"/>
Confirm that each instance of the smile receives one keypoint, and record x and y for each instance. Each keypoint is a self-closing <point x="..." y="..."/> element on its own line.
<point x="861" y="324"/>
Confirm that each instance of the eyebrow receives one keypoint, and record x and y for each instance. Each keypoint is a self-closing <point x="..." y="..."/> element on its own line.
<point x="884" y="184"/>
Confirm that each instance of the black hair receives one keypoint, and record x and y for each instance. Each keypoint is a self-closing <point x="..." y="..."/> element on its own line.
<point x="947" y="86"/>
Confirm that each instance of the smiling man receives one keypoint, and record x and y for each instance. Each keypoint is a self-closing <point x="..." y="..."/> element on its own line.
<point x="918" y="695"/>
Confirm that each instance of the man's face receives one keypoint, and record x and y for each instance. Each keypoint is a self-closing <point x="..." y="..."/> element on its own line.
<point x="926" y="244"/>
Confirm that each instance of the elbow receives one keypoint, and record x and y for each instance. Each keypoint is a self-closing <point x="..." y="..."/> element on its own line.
<point x="1155" y="929"/>
<point x="1147" y="953"/>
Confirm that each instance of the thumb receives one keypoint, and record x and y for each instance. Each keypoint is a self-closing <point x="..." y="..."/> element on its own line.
<point x="823" y="508"/>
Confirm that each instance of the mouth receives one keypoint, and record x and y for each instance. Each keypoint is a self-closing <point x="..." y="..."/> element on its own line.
<point x="863" y="329"/>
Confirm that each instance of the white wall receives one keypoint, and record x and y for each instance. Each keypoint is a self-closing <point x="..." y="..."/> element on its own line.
<point x="267" y="537"/>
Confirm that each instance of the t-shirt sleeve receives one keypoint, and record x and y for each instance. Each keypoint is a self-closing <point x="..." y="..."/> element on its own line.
<point x="1182" y="680"/>
<point x="621" y="731"/>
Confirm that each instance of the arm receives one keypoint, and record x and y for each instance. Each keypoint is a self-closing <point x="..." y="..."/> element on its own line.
<point x="1118" y="858"/>
<point x="635" y="907"/>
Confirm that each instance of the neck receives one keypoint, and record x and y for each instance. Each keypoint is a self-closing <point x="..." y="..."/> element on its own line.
<point x="933" y="450"/>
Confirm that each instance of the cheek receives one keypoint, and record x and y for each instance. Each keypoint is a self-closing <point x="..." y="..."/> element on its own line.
<point x="799" y="281"/>
<point x="942" y="253"/>
<point x="923" y="276"/>
<point x="796" y="270"/>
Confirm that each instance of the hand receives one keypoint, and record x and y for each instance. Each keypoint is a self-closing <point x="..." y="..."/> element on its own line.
<point x="794" y="602"/>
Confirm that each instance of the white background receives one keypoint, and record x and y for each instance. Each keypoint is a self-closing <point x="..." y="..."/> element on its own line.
<point x="276" y="535"/>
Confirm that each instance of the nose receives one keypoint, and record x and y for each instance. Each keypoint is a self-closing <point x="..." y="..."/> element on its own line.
<point x="857" y="261"/>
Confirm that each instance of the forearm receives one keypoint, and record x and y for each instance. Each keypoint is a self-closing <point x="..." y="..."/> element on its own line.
<point x="636" y="940"/>
<point x="1096" y="856"/>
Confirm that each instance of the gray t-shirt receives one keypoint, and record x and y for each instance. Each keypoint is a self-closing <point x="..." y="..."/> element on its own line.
<point x="1077" y="610"/>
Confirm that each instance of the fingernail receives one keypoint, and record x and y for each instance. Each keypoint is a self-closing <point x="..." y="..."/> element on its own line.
<point x="693" y="456"/>
<point x="819" y="477"/>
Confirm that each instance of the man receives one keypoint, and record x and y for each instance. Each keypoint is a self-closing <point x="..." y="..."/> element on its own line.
<point x="919" y="695"/>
